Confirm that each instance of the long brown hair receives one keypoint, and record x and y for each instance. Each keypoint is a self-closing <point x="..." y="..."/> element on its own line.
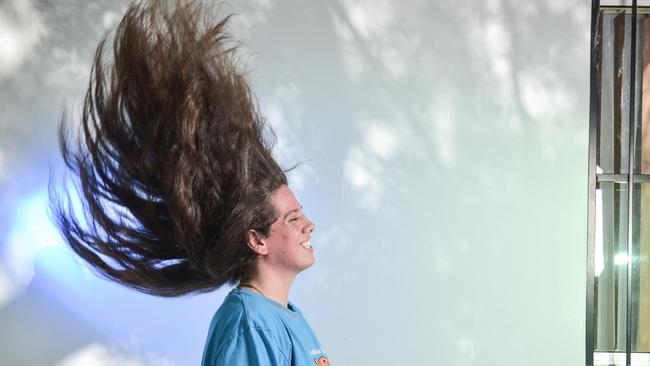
<point x="173" y="159"/>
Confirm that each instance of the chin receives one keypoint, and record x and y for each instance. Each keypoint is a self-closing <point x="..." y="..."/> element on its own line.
<point x="309" y="264"/>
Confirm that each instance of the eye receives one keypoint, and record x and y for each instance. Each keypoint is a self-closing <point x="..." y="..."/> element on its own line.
<point x="295" y="218"/>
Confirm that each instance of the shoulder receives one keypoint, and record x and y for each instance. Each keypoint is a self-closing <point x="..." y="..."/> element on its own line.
<point x="254" y="310"/>
<point x="242" y="321"/>
<point x="240" y="312"/>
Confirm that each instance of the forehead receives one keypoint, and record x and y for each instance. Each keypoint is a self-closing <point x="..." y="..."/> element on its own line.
<point x="284" y="200"/>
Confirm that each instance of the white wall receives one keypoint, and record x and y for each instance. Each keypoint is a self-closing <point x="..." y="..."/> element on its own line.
<point x="446" y="148"/>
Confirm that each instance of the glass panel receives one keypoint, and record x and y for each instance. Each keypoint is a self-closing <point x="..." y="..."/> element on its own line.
<point x="614" y="92"/>
<point x="641" y="269"/>
<point x="643" y="138"/>
<point x="618" y="359"/>
<point x="611" y="267"/>
<point x="611" y="231"/>
<point x="610" y="282"/>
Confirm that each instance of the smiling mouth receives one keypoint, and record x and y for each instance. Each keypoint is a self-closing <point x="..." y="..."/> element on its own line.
<point x="306" y="244"/>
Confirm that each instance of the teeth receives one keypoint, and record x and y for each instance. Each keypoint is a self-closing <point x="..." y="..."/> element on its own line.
<point x="306" y="244"/>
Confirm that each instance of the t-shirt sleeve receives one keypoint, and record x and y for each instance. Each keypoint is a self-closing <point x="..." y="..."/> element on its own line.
<point x="253" y="347"/>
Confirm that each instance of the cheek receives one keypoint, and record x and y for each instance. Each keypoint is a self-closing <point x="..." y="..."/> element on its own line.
<point x="283" y="237"/>
<point x="284" y="240"/>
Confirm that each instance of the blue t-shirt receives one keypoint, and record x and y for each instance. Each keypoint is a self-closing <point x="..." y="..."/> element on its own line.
<point x="250" y="329"/>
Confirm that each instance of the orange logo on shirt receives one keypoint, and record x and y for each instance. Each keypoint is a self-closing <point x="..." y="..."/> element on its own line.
<point x="322" y="361"/>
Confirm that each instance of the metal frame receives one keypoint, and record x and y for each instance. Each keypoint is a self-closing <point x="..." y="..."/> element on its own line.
<point x="630" y="191"/>
<point x="623" y="178"/>
<point x="593" y="128"/>
<point x="630" y="178"/>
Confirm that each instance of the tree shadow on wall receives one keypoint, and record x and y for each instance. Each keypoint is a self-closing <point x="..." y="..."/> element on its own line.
<point x="37" y="329"/>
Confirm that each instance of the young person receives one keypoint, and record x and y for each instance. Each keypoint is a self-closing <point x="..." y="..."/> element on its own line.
<point x="257" y="325"/>
<point x="180" y="189"/>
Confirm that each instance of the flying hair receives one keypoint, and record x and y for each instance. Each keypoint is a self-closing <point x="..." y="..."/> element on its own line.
<point x="173" y="159"/>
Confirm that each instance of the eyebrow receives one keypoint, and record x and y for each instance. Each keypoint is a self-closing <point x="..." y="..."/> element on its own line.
<point x="292" y="211"/>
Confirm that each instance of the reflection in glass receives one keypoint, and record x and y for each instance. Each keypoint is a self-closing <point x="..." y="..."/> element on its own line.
<point x="614" y="79"/>
<point x="641" y="268"/>
<point x="618" y="359"/>
<point x="610" y="284"/>
<point x="621" y="159"/>
<point x="643" y="138"/>
<point x="611" y="263"/>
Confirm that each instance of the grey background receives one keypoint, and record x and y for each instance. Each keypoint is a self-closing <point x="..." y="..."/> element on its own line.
<point x="446" y="148"/>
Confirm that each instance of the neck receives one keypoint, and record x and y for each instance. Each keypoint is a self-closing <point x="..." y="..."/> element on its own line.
<point x="273" y="285"/>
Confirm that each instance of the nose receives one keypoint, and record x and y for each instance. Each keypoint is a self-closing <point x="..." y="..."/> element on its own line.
<point x="309" y="228"/>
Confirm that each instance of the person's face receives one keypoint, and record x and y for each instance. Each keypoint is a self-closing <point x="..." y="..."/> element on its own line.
<point x="288" y="243"/>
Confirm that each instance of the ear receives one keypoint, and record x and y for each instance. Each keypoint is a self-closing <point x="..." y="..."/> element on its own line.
<point x="255" y="242"/>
